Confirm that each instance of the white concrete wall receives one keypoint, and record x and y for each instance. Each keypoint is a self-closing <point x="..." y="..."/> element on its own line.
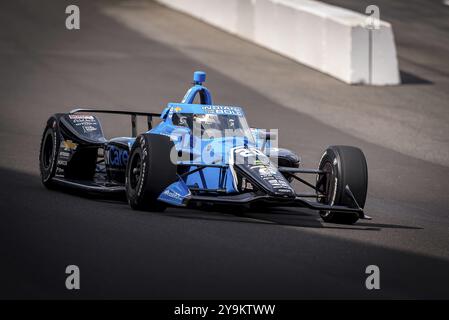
<point x="327" y="38"/>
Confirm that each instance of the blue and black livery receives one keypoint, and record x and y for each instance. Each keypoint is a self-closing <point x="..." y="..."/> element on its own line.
<point x="198" y="154"/>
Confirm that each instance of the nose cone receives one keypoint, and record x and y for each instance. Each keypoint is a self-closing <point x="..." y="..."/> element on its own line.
<point x="199" y="77"/>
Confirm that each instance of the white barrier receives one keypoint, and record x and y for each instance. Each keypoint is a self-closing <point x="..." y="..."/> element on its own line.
<point x="327" y="38"/>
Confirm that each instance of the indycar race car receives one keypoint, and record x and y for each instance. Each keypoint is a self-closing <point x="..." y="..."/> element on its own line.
<point x="198" y="155"/>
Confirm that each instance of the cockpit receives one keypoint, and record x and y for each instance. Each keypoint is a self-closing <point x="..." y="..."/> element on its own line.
<point x="213" y="125"/>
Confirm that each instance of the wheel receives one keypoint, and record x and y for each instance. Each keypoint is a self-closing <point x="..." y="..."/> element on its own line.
<point x="344" y="166"/>
<point x="48" y="152"/>
<point x="149" y="171"/>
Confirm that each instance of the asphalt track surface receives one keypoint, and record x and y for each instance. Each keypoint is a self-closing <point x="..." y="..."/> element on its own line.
<point x="121" y="253"/>
<point x="410" y="119"/>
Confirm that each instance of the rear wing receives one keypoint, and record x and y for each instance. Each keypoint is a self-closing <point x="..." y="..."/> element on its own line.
<point x="133" y="115"/>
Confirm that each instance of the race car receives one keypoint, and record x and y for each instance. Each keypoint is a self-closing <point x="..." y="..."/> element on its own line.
<point x="198" y="155"/>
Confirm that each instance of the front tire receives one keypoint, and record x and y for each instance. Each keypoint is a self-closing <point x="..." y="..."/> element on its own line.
<point x="149" y="171"/>
<point x="344" y="166"/>
<point x="48" y="155"/>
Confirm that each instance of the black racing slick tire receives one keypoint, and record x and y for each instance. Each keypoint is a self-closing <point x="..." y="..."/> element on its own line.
<point x="48" y="155"/>
<point x="149" y="171"/>
<point x="344" y="166"/>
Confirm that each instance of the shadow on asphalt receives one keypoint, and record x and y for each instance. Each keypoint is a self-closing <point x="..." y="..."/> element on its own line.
<point x="293" y="217"/>
<point x="410" y="78"/>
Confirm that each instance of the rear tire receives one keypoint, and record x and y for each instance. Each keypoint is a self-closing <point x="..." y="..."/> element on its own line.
<point x="149" y="171"/>
<point x="344" y="165"/>
<point x="48" y="155"/>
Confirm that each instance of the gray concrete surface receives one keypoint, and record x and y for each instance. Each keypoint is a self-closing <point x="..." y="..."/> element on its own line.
<point x="186" y="253"/>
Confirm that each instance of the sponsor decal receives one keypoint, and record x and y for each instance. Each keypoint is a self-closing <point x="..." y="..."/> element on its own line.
<point x="229" y="110"/>
<point x="64" y="154"/>
<point x="88" y="129"/>
<point x="80" y="117"/>
<point x="87" y="122"/>
<point x="116" y="157"/>
<point x="266" y="171"/>
<point x="173" y="194"/>
<point x="59" y="172"/>
<point x="68" y="145"/>
<point x="283" y="190"/>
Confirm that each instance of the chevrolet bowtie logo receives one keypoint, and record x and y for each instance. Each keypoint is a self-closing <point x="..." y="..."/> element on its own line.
<point x="69" y="145"/>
